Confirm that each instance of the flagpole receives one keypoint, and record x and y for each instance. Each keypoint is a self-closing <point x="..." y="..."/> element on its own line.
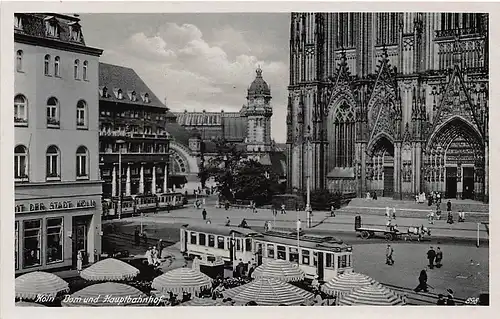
<point x="298" y="238"/>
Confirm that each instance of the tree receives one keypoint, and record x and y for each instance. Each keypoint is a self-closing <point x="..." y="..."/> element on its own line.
<point x="253" y="181"/>
<point x="323" y="199"/>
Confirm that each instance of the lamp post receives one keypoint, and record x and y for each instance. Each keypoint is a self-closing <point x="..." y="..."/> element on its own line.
<point x="120" y="195"/>
<point x="308" y="180"/>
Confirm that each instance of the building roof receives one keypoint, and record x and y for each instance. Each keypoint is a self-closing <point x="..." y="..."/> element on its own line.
<point x="221" y="230"/>
<point x="259" y="86"/>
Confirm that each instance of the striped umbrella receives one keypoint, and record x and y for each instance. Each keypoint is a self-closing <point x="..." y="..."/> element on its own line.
<point x="268" y="292"/>
<point x="106" y="294"/>
<point x="345" y="283"/>
<point x="109" y="269"/>
<point x="279" y="269"/>
<point x="180" y="280"/>
<point x="28" y="304"/>
<point x="202" y="302"/>
<point x="33" y="284"/>
<point x="371" y="295"/>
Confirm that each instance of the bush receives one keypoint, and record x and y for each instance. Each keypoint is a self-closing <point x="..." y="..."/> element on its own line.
<point x="323" y="199"/>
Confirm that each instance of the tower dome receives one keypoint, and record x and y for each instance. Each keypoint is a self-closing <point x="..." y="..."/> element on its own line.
<point x="259" y="86"/>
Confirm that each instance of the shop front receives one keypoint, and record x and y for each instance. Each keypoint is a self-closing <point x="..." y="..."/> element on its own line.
<point x="51" y="231"/>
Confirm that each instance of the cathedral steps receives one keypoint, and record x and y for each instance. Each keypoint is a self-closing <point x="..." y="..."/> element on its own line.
<point x="383" y="202"/>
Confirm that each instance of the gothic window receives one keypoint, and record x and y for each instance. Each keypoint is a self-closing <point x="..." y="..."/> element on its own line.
<point x="344" y="135"/>
<point x="19" y="61"/>
<point x="57" y="61"/>
<point x="76" y="71"/>
<point x="387" y="28"/>
<point x="345" y="30"/>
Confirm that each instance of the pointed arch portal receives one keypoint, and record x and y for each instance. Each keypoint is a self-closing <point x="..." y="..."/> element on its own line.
<point x="454" y="161"/>
<point x="380" y="166"/>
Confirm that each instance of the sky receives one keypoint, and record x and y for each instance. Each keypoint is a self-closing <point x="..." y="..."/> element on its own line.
<point x="200" y="61"/>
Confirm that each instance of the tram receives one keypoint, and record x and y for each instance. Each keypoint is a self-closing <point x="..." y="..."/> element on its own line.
<point x="324" y="257"/>
<point x="138" y="204"/>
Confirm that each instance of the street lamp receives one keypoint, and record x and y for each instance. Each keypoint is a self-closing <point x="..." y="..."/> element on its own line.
<point x="120" y="195"/>
<point x="308" y="177"/>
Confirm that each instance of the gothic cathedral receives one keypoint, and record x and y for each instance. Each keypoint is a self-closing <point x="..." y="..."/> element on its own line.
<point x="392" y="103"/>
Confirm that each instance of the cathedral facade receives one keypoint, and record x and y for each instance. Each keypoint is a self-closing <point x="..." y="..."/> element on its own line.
<point x="392" y="103"/>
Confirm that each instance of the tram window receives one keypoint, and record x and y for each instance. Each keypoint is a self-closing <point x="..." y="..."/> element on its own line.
<point x="305" y="257"/>
<point x="344" y="261"/>
<point x="349" y="261"/>
<point x="281" y="252"/>
<point x="339" y="262"/>
<point x="238" y="244"/>
<point x="202" y="239"/>
<point x="328" y="260"/>
<point x="293" y="254"/>
<point x="220" y="242"/>
<point x="315" y="258"/>
<point x="270" y="250"/>
<point x="211" y="241"/>
<point x="248" y="244"/>
<point x="193" y="238"/>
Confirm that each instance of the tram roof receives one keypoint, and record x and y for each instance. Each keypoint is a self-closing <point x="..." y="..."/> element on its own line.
<point x="221" y="230"/>
<point x="305" y="243"/>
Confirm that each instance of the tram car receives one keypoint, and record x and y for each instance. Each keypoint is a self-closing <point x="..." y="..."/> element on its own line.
<point x="139" y="204"/>
<point x="324" y="257"/>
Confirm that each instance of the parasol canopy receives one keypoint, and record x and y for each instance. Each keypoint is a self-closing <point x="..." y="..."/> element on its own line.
<point x="345" y="283"/>
<point x="180" y="280"/>
<point x="33" y="284"/>
<point x="268" y="292"/>
<point x="279" y="269"/>
<point x="109" y="269"/>
<point x="203" y="302"/>
<point x="106" y="294"/>
<point x="28" y="304"/>
<point x="371" y="295"/>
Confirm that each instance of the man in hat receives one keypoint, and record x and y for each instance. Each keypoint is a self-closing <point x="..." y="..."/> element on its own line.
<point x="431" y="255"/>
<point x="439" y="257"/>
<point x="388" y="255"/>
<point x="450" y="299"/>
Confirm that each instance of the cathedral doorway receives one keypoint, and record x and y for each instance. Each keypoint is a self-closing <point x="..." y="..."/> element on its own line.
<point x="454" y="161"/>
<point x="381" y="168"/>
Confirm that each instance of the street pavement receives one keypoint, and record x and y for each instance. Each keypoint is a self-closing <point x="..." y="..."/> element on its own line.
<point x="321" y="221"/>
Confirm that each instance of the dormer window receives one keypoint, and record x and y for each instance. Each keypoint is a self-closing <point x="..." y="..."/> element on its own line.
<point x="133" y="97"/>
<point x="104" y="92"/>
<point x="75" y="32"/>
<point x="51" y="27"/>
<point x="18" y="22"/>
<point x="119" y="95"/>
<point x="146" y="98"/>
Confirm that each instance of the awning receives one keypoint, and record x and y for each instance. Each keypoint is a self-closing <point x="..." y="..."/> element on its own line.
<point x="203" y="302"/>
<point x="108" y="294"/>
<point x="345" y="283"/>
<point x="109" y="269"/>
<point x="371" y="295"/>
<point x="28" y="304"/>
<point x="180" y="280"/>
<point x="32" y="284"/>
<point x="269" y="292"/>
<point x="279" y="269"/>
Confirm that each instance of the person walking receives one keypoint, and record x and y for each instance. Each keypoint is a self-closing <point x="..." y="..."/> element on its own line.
<point x="450" y="300"/>
<point x="431" y="255"/>
<point x="228" y="222"/>
<point x="439" y="258"/>
<point x="145" y="238"/>
<point x="204" y="214"/>
<point x="448" y="206"/>
<point x="388" y="255"/>
<point x="332" y="211"/>
<point x="283" y="210"/>
<point x="387" y="212"/>
<point x="422" y="282"/>
<point x="431" y="217"/>
<point x="137" y="237"/>
<point x="393" y="213"/>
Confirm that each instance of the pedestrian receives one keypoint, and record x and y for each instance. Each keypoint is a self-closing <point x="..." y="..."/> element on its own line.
<point x="332" y="211"/>
<point x="79" y="261"/>
<point x="387" y="212"/>
<point x="461" y="216"/>
<point x="450" y="300"/>
<point x="422" y="282"/>
<point x="441" y="301"/>
<point x="283" y="210"/>
<point x="431" y="217"/>
<point x="204" y="214"/>
<point x="393" y="213"/>
<point x="374" y="196"/>
<point x="388" y="255"/>
<point x="431" y="255"/>
<point x="439" y="258"/>
<point x="160" y="247"/>
<point x="226" y="205"/>
<point x="228" y="222"/>
<point x="448" y="206"/>
<point x="137" y="237"/>
<point x="450" y="218"/>
<point x="145" y="238"/>
<point x="149" y="256"/>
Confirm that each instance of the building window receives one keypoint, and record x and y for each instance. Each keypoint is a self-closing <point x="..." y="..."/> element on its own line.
<point x="220" y="242"/>
<point x="32" y="238"/>
<point x="18" y="22"/>
<point x="305" y="257"/>
<point x="270" y="251"/>
<point x="211" y="241"/>
<point x="134" y="97"/>
<point x="16" y="245"/>
<point x="20" y="110"/>
<point x="329" y="260"/>
<point x="75" y="33"/>
<point x="19" y="61"/>
<point x="76" y="69"/>
<point x="52" y="29"/>
<point x="85" y="66"/>
<point x="238" y="244"/>
<point x="52" y="112"/>
<point x="193" y="238"/>
<point x="343" y="137"/>
<point x="46" y="65"/>
<point x="146" y="98"/>
<point x="120" y="94"/>
<point x="281" y="252"/>
<point x="20" y="162"/>
<point x="81" y="114"/>
<point x="52" y="161"/>
<point x="57" y="61"/>
<point x="202" y="239"/>
<point x="248" y="244"/>
<point x="54" y="240"/>
<point x="82" y="158"/>
<point x="387" y="28"/>
<point x="293" y="254"/>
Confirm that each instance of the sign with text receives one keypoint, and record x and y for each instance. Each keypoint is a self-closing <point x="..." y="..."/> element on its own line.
<point x="55" y="205"/>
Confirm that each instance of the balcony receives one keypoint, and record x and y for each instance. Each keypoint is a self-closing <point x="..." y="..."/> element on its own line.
<point x="20" y="121"/>
<point x="108" y="158"/>
<point x="21" y="178"/>
<point x="134" y="135"/>
<point x="459" y="32"/>
<point x="52" y="122"/>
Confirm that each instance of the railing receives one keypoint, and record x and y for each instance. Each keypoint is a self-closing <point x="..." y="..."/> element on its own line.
<point x="133" y="135"/>
<point x="20" y="120"/>
<point x="52" y="121"/>
<point x="457" y="32"/>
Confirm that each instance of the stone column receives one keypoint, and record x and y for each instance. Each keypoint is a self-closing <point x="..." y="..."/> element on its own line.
<point x="113" y="182"/>
<point x="397" y="170"/>
<point x="141" y="180"/>
<point x="153" y="181"/>
<point x="486" y="183"/>
<point x="127" y="183"/>
<point x="363" y="169"/>
<point x="165" y="179"/>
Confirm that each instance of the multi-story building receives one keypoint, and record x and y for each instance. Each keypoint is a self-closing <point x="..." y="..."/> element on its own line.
<point x="132" y="126"/>
<point x="56" y="159"/>
<point x="393" y="103"/>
